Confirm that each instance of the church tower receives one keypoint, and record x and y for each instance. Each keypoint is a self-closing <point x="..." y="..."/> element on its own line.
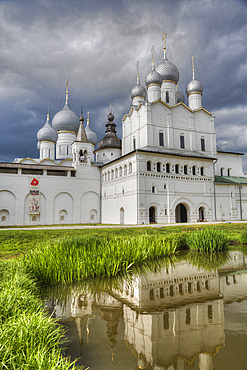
<point x="47" y="138"/>
<point x="194" y="90"/>
<point x="82" y="150"/>
<point x="66" y="123"/>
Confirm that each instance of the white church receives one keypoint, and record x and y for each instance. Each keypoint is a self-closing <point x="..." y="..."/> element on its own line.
<point x="166" y="169"/>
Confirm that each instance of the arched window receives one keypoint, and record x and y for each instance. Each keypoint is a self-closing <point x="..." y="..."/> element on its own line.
<point x="120" y="171"/>
<point x="112" y="174"/>
<point x="134" y="143"/>
<point x="229" y="172"/>
<point x="130" y="167"/>
<point x="176" y="168"/>
<point x="202" y="171"/>
<point x="153" y="189"/>
<point x="158" y="167"/>
<point x="109" y="175"/>
<point x="168" y="169"/>
<point x="116" y="173"/>
<point x="148" y="166"/>
<point x="222" y="171"/>
<point x="185" y="169"/>
<point x="125" y="169"/>
<point x="194" y="170"/>
<point x="105" y="176"/>
<point x="182" y="142"/>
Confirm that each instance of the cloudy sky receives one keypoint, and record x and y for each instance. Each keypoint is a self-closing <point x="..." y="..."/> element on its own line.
<point x="94" y="44"/>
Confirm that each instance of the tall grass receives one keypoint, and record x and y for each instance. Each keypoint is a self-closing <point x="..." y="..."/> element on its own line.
<point x="29" y="339"/>
<point x="73" y="259"/>
<point x="244" y="238"/>
<point x="207" y="239"/>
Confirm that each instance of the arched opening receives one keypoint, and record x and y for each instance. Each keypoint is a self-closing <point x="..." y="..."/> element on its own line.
<point x="121" y="216"/>
<point x="181" y="213"/>
<point x="63" y="214"/>
<point x="152" y="215"/>
<point x="158" y="167"/>
<point x="148" y="166"/>
<point x="201" y="214"/>
<point x="167" y="167"/>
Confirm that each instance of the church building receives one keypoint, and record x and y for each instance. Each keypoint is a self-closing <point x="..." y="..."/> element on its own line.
<point x="166" y="169"/>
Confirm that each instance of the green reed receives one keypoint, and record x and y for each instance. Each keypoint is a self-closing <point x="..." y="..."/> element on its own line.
<point x="244" y="238"/>
<point x="29" y="339"/>
<point x="73" y="259"/>
<point x="207" y="239"/>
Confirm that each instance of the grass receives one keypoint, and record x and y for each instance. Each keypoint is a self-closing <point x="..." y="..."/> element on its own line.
<point x="13" y="243"/>
<point x="207" y="240"/>
<point x="29" y="337"/>
<point x="73" y="259"/>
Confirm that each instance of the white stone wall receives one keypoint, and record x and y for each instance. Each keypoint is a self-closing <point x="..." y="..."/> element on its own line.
<point x="228" y="202"/>
<point x="148" y="120"/>
<point x="231" y="162"/>
<point x="62" y="199"/>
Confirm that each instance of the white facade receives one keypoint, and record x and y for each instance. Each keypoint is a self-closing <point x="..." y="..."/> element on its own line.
<point x="167" y="168"/>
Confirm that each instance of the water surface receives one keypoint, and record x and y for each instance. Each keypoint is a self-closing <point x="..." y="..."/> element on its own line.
<point x="186" y="314"/>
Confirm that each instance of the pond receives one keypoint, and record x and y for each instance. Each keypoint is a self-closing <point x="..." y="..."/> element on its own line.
<point x="188" y="313"/>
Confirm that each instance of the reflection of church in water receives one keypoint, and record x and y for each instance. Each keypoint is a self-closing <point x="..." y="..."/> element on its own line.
<point x="173" y="319"/>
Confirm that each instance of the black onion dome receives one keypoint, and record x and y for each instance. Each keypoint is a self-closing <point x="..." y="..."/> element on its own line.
<point x="110" y="140"/>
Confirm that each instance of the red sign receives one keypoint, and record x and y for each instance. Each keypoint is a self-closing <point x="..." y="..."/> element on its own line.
<point x="34" y="182"/>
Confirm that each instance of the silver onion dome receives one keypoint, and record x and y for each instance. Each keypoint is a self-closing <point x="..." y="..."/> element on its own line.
<point x="153" y="78"/>
<point x="66" y="119"/>
<point x="180" y="97"/>
<point x="194" y="86"/>
<point x="138" y="90"/>
<point x="47" y="132"/>
<point x="91" y="135"/>
<point x="168" y="71"/>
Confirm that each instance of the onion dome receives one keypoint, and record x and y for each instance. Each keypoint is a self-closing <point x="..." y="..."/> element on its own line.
<point x="153" y="77"/>
<point x="194" y="86"/>
<point x="66" y="119"/>
<point x="47" y="132"/>
<point x="180" y="97"/>
<point x="166" y="69"/>
<point x="138" y="90"/>
<point x="110" y="140"/>
<point x="90" y="134"/>
<point x="38" y="145"/>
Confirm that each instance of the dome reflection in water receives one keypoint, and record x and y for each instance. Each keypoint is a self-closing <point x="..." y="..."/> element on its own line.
<point x="181" y="314"/>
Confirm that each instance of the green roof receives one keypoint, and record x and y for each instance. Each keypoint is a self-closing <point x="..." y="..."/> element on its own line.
<point x="230" y="180"/>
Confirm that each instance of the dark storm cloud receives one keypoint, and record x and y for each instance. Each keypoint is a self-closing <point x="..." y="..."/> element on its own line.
<point x="95" y="45"/>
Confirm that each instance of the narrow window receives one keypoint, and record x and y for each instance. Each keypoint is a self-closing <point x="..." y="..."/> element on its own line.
<point x="171" y="291"/>
<point x="164" y="186"/>
<point x="180" y="287"/>
<point x="165" y="212"/>
<point x="116" y="173"/>
<point x="166" y="320"/>
<point x="203" y="144"/>
<point x="167" y="97"/>
<point x="187" y="318"/>
<point x="158" y="167"/>
<point x="176" y="168"/>
<point x="108" y="175"/>
<point x="148" y="166"/>
<point x="161" y="139"/>
<point x="151" y="294"/>
<point x="162" y="293"/>
<point x="190" y="288"/>
<point x="153" y="189"/>
<point x="202" y="171"/>
<point x="112" y="174"/>
<point x="125" y="170"/>
<point x="222" y="171"/>
<point x="182" y="142"/>
<point x="120" y="171"/>
<point x="130" y="167"/>
<point x="193" y="170"/>
<point x="185" y="170"/>
<point x="229" y="172"/>
<point x="134" y="143"/>
<point x="168" y="168"/>
<point x="210" y="313"/>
